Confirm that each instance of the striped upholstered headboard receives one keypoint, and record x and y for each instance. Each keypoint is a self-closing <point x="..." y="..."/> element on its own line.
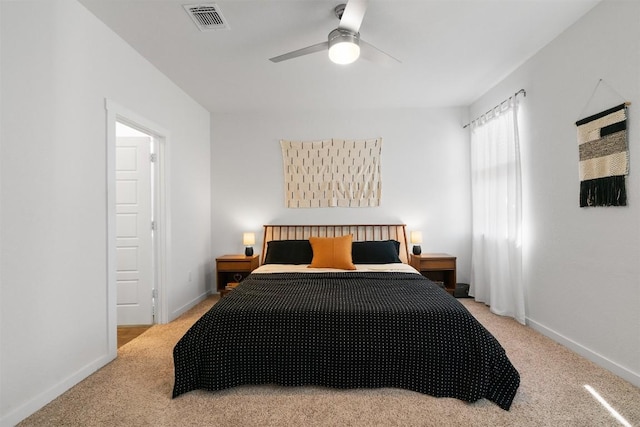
<point x="360" y="232"/>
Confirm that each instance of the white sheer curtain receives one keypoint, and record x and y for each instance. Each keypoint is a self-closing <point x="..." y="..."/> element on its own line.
<point x="496" y="259"/>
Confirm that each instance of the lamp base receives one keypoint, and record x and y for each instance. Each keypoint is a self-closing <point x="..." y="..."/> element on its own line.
<point x="248" y="251"/>
<point x="417" y="250"/>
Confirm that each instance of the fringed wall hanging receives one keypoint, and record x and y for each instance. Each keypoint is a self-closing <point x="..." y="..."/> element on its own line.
<point x="604" y="158"/>
<point x="604" y="153"/>
<point x="332" y="173"/>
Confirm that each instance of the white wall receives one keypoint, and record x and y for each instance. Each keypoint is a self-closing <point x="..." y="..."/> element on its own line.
<point x="581" y="265"/>
<point x="425" y="174"/>
<point x="59" y="63"/>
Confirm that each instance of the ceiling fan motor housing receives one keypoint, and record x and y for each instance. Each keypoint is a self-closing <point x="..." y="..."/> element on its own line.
<point x="340" y="35"/>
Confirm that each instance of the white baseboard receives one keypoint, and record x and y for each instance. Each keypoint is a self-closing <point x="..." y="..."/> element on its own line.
<point x="37" y="402"/>
<point x="180" y="311"/>
<point x="621" y="371"/>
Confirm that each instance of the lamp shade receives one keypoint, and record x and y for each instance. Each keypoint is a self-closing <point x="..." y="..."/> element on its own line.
<point x="416" y="237"/>
<point x="248" y="239"/>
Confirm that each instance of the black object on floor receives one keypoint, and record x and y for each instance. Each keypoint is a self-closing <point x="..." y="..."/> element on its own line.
<point x="461" y="291"/>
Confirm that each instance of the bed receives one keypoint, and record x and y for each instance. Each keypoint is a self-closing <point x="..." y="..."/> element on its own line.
<point x="366" y="320"/>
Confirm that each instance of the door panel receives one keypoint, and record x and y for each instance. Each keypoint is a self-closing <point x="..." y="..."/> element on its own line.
<point x="134" y="257"/>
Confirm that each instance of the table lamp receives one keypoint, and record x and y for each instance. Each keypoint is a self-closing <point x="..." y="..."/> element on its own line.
<point x="248" y="239"/>
<point x="416" y="239"/>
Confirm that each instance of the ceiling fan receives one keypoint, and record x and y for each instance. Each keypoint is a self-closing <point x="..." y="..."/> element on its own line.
<point x="344" y="43"/>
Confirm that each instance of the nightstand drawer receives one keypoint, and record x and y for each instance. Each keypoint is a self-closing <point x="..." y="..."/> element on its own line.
<point x="437" y="264"/>
<point x="234" y="265"/>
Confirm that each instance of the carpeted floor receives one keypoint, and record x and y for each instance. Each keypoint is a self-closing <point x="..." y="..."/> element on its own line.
<point x="135" y="390"/>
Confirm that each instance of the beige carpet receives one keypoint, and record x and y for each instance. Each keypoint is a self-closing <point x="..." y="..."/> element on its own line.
<point x="135" y="390"/>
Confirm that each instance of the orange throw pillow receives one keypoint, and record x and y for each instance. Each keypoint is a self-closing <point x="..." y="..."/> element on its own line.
<point x="332" y="252"/>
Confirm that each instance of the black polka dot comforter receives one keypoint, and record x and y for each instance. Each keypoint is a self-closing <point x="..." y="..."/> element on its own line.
<point x="344" y="330"/>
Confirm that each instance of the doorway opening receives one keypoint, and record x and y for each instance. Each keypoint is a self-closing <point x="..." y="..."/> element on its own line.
<point x="134" y="226"/>
<point x="127" y="334"/>
<point x="137" y="258"/>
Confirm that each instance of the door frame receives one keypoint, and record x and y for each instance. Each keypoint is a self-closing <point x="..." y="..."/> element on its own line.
<point x="161" y="244"/>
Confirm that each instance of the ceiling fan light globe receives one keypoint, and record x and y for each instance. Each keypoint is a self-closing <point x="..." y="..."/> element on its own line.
<point x="344" y="52"/>
<point x="344" y="46"/>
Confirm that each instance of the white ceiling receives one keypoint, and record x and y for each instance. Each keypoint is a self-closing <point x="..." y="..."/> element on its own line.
<point x="452" y="51"/>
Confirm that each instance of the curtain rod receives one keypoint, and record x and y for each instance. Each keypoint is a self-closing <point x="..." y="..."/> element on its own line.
<point x="521" y="91"/>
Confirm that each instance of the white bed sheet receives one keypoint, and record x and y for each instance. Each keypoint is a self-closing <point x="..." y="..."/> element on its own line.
<point x="303" y="268"/>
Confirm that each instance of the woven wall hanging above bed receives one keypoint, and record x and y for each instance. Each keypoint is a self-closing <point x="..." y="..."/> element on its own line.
<point x="604" y="158"/>
<point x="332" y="173"/>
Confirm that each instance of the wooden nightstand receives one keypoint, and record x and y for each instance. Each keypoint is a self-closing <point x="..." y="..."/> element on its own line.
<point x="437" y="267"/>
<point x="234" y="268"/>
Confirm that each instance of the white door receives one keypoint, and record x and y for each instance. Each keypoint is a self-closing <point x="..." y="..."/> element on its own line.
<point x="133" y="231"/>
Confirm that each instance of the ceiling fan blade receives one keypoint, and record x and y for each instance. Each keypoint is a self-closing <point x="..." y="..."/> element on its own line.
<point x="372" y="53"/>
<point x="352" y="16"/>
<point x="300" y="52"/>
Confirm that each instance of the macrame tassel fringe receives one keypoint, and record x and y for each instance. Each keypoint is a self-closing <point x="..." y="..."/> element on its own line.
<point x="609" y="191"/>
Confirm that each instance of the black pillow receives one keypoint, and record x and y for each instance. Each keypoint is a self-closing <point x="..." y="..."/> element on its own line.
<point x="376" y="252"/>
<point x="288" y="252"/>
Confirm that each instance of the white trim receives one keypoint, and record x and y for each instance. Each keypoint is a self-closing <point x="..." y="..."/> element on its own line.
<point x="112" y="314"/>
<point x="116" y="112"/>
<point x="621" y="371"/>
<point x="163" y="228"/>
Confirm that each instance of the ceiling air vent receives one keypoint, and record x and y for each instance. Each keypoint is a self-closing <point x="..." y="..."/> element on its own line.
<point x="207" y="17"/>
